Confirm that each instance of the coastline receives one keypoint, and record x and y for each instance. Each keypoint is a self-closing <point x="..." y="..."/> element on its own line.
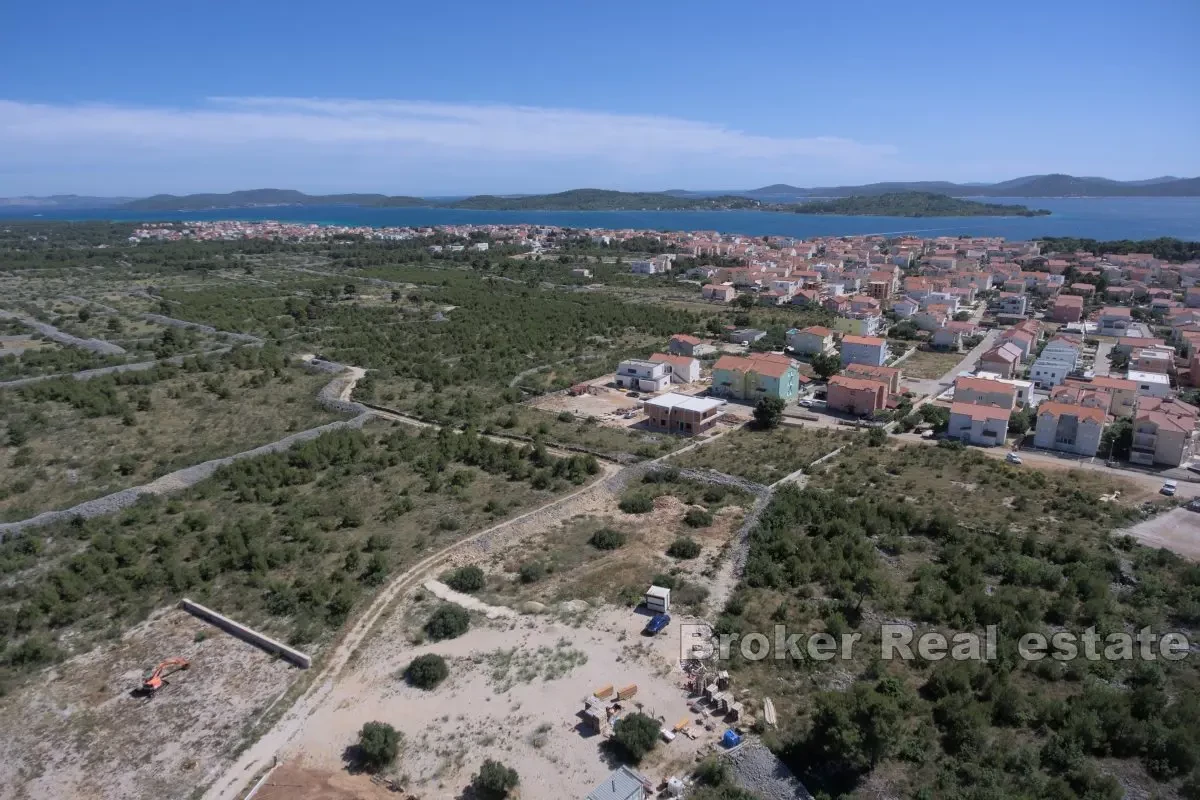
<point x="1102" y="219"/>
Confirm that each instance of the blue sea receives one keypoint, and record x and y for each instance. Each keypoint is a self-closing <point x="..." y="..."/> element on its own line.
<point x="1105" y="218"/>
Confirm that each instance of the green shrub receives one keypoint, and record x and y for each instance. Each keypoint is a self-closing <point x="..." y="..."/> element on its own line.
<point x="447" y="622"/>
<point x="684" y="547"/>
<point x="636" y="503"/>
<point x="427" y="671"/>
<point x="698" y="518"/>
<point x="635" y="735"/>
<point x="494" y="780"/>
<point x="465" y="579"/>
<point x="532" y="571"/>
<point x="607" y="539"/>
<point x="378" y="745"/>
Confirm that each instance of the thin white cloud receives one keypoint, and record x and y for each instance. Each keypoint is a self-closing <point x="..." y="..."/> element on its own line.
<point x="439" y="129"/>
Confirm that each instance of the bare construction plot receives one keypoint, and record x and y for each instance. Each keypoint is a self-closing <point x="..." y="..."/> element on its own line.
<point x="1178" y="531"/>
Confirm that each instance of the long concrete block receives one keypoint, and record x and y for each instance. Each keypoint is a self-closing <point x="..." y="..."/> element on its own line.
<point x="239" y="630"/>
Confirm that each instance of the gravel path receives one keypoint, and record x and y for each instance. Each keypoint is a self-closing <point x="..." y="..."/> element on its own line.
<point x="83" y="301"/>
<point x="87" y="374"/>
<point x="50" y="332"/>
<point x="756" y="769"/>
<point x="171" y="322"/>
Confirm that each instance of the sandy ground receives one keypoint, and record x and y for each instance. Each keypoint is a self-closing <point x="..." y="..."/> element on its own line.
<point x="1177" y="530"/>
<point x="514" y="694"/>
<point x="79" y="733"/>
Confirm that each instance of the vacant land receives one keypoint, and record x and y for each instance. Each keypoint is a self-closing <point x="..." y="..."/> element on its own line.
<point x="952" y="540"/>
<point x="74" y="440"/>
<point x="766" y="456"/>
<point x="929" y="364"/>
<point x="79" y="731"/>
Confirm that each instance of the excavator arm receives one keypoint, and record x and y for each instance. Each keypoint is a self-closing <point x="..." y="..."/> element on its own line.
<point x="153" y="680"/>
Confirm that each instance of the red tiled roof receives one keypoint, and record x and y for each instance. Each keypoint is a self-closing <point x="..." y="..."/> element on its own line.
<point x="683" y="337"/>
<point x="984" y="385"/>
<point x="870" y="341"/>
<point x="977" y="412"/>
<point x="857" y="383"/>
<point x="1096" y="415"/>
<point x="817" y="330"/>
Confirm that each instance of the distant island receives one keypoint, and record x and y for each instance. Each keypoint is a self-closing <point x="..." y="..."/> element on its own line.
<point x="913" y="204"/>
<point x="896" y="204"/>
<point x="765" y="198"/>
<point x="605" y="200"/>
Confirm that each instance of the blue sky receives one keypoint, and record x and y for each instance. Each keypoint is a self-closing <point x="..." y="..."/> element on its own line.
<point x="464" y="97"/>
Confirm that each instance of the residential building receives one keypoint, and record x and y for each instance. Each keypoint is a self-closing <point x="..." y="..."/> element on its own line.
<point x="682" y="413"/>
<point x="1082" y="289"/>
<point x="888" y="375"/>
<point x="1152" y="359"/>
<point x="1113" y="321"/>
<point x="1050" y="371"/>
<point x="1067" y="308"/>
<point x="981" y="425"/>
<point x="864" y="350"/>
<point x="754" y="376"/>
<point x="1022" y="339"/>
<point x="682" y="369"/>
<point x="1150" y="384"/>
<point x="1022" y="390"/>
<point x="905" y="307"/>
<point x="719" y="292"/>
<point x="644" y="267"/>
<point x="811" y="341"/>
<point x="580" y="272"/>
<point x="1013" y="304"/>
<point x="1164" y="432"/>
<point x="985" y="392"/>
<point x="1069" y="428"/>
<point x="863" y="324"/>
<point x="860" y="396"/>
<point x="644" y="375"/>
<point x="1124" y="393"/>
<point x="683" y="345"/>
<point x="1004" y="360"/>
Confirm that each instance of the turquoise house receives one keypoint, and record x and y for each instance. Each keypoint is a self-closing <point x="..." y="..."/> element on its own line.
<point x="759" y="375"/>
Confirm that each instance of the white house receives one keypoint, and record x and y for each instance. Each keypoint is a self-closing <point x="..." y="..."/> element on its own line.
<point x="1069" y="428"/>
<point x="905" y="307"/>
<point x="1013" y="304"/>
<point x="1114" y="321"/>
<point x="642" y="374"/>
<point x="1150" y="384"/>
<point x="682" y="369"/>
<point x="864" y="350"/>
<point x="981" y="425"/>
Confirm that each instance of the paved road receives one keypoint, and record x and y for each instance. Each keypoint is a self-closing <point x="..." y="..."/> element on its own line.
<point x="1101" y="365"/>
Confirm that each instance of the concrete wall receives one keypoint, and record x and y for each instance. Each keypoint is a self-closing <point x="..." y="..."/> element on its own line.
<point x="239" y="630"/>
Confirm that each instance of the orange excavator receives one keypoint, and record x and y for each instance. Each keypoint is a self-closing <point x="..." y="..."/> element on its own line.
<point x="152" y="681"/>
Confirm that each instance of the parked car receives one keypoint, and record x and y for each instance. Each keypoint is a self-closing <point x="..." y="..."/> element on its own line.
<point x="1168" y="488"/>
<point x="632" y="394"/>
<point x="806" y="403"/>
<point x="1193" y="504"/>
<point x="1013" y="458"/>
<point x="657" y="623"/>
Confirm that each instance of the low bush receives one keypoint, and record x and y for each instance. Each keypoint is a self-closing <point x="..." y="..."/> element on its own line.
<point x="684" y="547"/>
<point x="698" y="518"/>
<point x="636" y="503"/>
<point x="378" y="745"/>
<point x="494" y="780"/>
<point x="465" y="579"/>
<point x="532" y="571"/>
<point x="635" y="735"/>
<point x="427" y="671"/>
<point x="607" y="539"/>
<point x="447" y="622"/>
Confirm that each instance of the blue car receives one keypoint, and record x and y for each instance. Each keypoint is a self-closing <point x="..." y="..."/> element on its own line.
<point x="657" y="623"/>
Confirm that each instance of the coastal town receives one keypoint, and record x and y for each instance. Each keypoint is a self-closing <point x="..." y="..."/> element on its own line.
<point x="1094" y="356"/>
